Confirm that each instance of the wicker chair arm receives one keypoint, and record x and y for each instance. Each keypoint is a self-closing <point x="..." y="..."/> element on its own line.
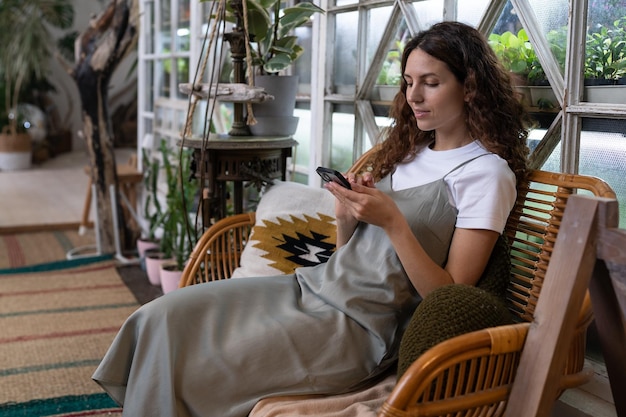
<point x="217" y="252"/>
<point x="423" y="391"/>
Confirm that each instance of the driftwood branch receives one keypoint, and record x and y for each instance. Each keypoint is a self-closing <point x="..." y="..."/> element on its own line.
<point x="236" y="92"/>
<point x="110" y="37"/>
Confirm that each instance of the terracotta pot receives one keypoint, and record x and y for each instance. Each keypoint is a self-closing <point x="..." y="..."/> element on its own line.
<point x="154" y="259"/>
<point x="170" y="277"/>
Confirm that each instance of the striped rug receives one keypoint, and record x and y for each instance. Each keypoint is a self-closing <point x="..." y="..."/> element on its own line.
<point x="56" y="326"/>
<point x="35" y="248"/>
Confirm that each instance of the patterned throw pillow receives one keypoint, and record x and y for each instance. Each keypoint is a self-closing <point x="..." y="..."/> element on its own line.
<point x="295" y="226"/>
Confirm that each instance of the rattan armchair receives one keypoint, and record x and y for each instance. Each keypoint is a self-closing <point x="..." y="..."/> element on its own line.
<point x="472" y="374"/>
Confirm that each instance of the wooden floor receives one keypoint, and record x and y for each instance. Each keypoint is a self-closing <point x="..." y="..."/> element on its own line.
<point x="52" y="196"/>
<point x="47" y="196"/>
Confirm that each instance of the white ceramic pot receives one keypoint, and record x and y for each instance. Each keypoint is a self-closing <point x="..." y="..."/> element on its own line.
<point x="388" y="92"/>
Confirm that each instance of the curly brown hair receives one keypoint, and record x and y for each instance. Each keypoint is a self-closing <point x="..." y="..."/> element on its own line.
<point x="494" y="115"/>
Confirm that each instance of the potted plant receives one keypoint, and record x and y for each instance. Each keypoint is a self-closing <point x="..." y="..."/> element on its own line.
<point x="152" y="209"/>
<point x="388" y="80"/>
<point x="515" y="52"/>
<point x="518" y="56"/>
<point x="178" y="235"/>
<point x="26" y="45"/>
<point x="541" y="92"/>
<point x="274" y="47"/>
<point x="605" y="64"/>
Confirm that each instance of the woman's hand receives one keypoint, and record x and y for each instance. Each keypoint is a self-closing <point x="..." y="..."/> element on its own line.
<point x="363" y="203"/>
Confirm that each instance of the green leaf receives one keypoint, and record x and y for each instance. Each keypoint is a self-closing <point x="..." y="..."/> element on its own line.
<point x="277" y="63"/>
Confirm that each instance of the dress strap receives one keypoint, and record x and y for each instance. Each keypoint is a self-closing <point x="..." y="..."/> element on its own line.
<point x="464" y="163"/>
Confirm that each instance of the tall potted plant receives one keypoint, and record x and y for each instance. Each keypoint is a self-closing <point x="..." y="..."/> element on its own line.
<point x="274" y="47"/>
<point x="26" y="45"/>
<point x="178" y="233"/>
<point x="152" y="209"/>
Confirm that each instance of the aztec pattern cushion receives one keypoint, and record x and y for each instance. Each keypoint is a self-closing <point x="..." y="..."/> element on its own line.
<point x="295" y="226"/>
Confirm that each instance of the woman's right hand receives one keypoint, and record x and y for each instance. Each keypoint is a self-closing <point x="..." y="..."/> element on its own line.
<point x="346" y="222"/>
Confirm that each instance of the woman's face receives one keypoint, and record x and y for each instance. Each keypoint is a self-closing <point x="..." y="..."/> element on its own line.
<point x="435" y="95"/>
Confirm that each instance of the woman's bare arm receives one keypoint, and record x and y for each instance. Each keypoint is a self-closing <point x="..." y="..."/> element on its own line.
<point x="469" y="251"/>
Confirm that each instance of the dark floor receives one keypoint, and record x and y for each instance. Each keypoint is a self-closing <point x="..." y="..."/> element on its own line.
<point x="136" y="280"/>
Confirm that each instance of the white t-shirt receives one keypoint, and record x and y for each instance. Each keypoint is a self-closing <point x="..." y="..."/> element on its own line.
<point x="483" y="190"/>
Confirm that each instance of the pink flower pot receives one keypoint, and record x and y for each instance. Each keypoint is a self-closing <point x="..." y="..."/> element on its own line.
<point x="170" y="277"/>
<point x="142" y="247"/>
<point x="154" y="259"/>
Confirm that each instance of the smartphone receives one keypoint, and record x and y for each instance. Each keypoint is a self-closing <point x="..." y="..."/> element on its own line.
<point x="329" y="174"/>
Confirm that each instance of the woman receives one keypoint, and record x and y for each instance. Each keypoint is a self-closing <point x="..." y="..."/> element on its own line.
<point x="448" y="174"/>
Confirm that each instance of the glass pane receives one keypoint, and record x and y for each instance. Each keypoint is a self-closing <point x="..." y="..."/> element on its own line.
<point x="602" y="150"/>
<point x="390" y="74"/>
<point x="165" y="33"/>
<point x="343" y="2"/>
<point x="302" y="135"/>
<point x="163" y="74"/>
<point x="551" y="14"/>
<point x="220" y="117"/>
<point x="149" y="90"/>
<point x="183" y="30"/>
<point x="511" y="43"/>
<point x="429" y="12"/>
<point x="148" y="28"/>
<point x="304" y="62"/>
<point x="553" y="18"/>
<point x="345" y="52"/>
<point x="342" y="141"/>
<point x="182" y="75"/>
<point x="159" y="118"/>
<point x="603" y="146"/>
<point x="471" y="12"/>
<point x="377" y="21"/>
<point x="605" y="54"/>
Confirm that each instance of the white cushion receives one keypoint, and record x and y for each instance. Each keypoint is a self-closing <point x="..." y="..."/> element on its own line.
<point x="295" y="226"/>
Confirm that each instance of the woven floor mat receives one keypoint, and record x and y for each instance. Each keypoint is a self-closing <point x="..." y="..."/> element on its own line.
<point x="27" y="249"/>
<point x="56" y="327"/>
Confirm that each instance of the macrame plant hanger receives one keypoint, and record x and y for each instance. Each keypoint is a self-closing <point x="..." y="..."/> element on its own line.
<point x="240" y="93"/>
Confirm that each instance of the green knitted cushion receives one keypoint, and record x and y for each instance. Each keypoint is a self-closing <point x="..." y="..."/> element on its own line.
<point x="456" y="309"/>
